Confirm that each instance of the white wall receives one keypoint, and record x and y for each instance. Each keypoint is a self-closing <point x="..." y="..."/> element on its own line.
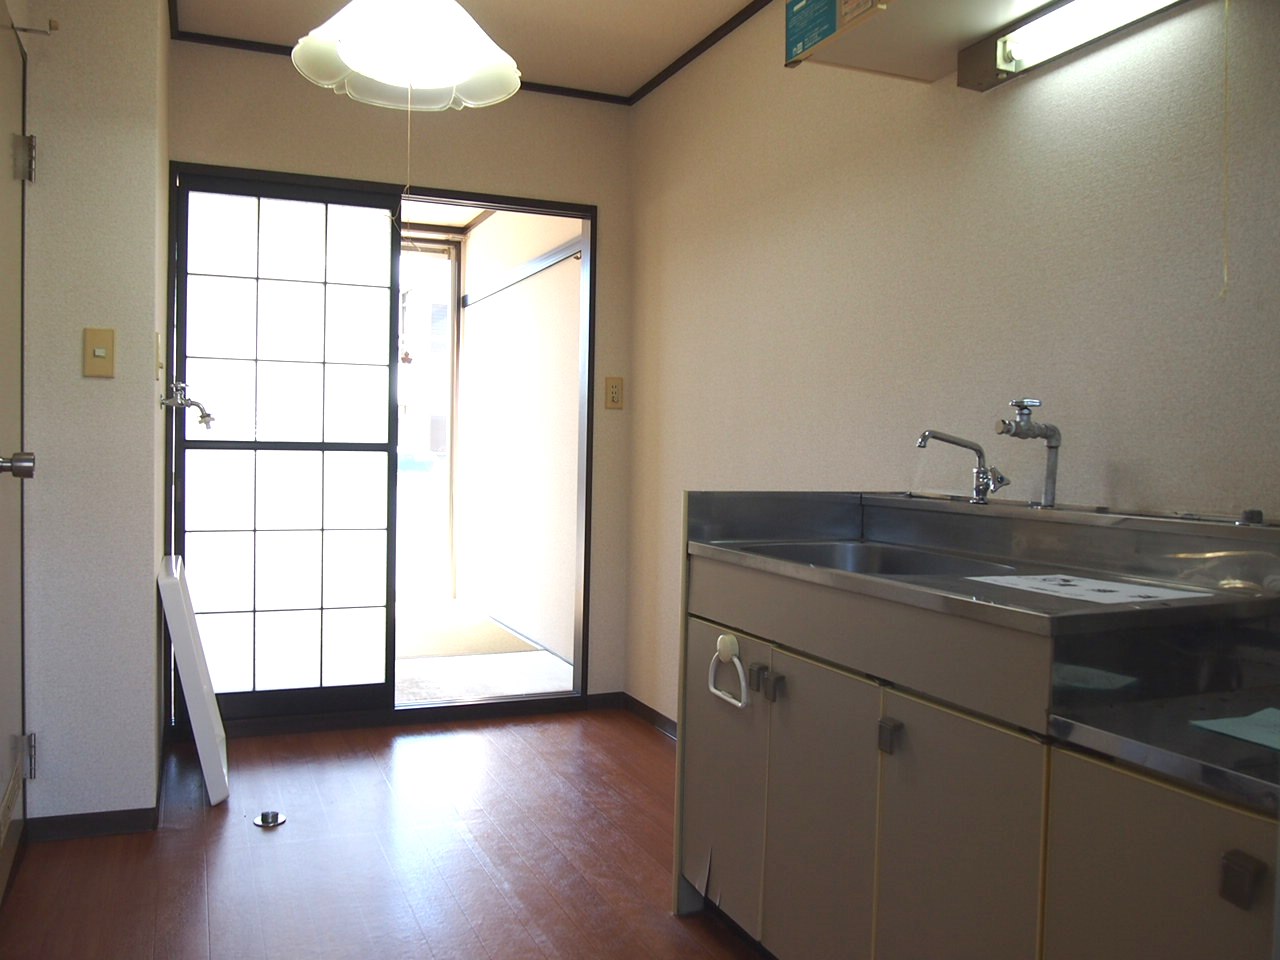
<point x="92" y="537"/>
<point x="829" y="261"/>
<point x="252" y="110"/>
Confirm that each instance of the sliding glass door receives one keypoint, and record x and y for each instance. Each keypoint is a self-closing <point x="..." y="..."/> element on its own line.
<point x="286" y="304"/>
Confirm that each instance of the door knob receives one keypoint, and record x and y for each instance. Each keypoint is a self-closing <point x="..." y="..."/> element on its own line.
<point x="21" y="465"/>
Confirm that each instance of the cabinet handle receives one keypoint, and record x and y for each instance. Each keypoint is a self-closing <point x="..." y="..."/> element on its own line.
<point x="887" y="734"/>
<point x="755" y="676"/>
<point x="1242" y="877"/>
<point x="727" y="652"/>
<point x="774" y="684"/>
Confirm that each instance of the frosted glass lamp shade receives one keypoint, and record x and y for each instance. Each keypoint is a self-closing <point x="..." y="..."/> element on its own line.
<point x="407" y="54"/>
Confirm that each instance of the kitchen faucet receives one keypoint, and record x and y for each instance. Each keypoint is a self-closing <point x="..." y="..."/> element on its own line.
<point x="986" y="480"/>
<point x="1025" y="428"/>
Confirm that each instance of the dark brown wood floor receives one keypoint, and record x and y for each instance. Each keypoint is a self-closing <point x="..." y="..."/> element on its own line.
<point x="508" y="840"/>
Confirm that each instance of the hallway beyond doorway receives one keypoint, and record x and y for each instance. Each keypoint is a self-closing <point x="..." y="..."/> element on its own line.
<point x="449" y="651"/>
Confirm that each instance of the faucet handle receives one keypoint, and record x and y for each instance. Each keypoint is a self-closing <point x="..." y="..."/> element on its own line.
<point x="998" y="479"/>
<point x="1023" y="405"/>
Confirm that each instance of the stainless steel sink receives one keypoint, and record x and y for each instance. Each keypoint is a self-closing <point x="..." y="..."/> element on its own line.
<point x="875" y="559"/>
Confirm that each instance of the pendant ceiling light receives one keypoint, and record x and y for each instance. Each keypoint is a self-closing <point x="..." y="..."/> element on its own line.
<point x="407" y="54"/>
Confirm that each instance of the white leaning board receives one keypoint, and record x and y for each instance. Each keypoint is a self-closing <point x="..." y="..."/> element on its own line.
<point x="202" y="704"/>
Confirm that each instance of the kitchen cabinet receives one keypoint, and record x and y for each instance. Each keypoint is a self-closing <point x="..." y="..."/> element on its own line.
<point x="820" y="812"/>
<point x="1135" y="869"/>
<point x="779" y="797"/>
<point x="724" y="756"/>
<point x="995" y="833"/>
<point x="959" y="851"/>
<point x="791" y="804"/>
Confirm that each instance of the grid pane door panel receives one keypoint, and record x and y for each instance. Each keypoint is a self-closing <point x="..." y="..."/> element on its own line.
<point x="284" y="331"/>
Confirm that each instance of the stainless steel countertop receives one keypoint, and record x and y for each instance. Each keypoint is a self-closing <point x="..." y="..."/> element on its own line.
<point x="1174" y="552"/>
<point x="1005" y="606"/>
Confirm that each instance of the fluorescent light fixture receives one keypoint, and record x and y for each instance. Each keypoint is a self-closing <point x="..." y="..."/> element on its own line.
<point x="407" y="54"/>
<point x="1045" y="35"/>
<point x="1069" y="27"/>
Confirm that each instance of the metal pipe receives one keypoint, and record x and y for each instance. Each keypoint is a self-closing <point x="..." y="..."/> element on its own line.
<point x="1050" y="475"/>
<point x="1024" y="428"/>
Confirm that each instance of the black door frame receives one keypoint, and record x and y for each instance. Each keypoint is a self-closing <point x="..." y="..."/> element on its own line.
<point x="290" y="709"/>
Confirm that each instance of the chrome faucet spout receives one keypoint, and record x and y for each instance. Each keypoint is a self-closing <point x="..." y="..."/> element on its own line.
<point x="954" y="441"/>
<point x="986" y="480"/>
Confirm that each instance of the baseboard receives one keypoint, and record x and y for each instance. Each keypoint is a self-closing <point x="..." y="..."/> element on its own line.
<point x="624" y="701"/>
<point x="437" y="713"/>
<point x="11" y="855"/>
<point x="78" y="826"/>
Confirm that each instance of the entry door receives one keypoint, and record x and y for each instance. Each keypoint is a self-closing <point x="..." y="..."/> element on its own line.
<point x="12" y="76"/>
<point x="284" y="460"/>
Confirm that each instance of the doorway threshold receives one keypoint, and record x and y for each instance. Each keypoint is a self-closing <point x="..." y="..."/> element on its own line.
<point x="425" y="681"/>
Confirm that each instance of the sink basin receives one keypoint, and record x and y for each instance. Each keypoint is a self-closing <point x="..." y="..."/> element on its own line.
<point x="876" y="559"/>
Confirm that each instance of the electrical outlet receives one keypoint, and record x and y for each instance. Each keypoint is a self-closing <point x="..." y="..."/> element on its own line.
<point x="613" y="393"/>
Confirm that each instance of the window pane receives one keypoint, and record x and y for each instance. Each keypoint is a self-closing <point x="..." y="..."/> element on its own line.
<point x="289" y="401"/>
<point x="227" y="639"/>
<point x="355" y="404"/>
<point x="359" y="245"/>
<point x="355" y="646"/>
<point x="355" y="568"/>
<point x="292" y="240"/>
<point x="221" y="316"/>
<point x="219" y="491"/>
<point x="288" y="570"/>
<point x="220" y="571"/>
<point x="355" y="490"/>
<point x="357" y="325"/>
<point x="222" y="234"/>
<point x="226" y="388"/>
<point x="290" y="320"/>
<point x="287" y="649"/>
<point x="289" y="490"/>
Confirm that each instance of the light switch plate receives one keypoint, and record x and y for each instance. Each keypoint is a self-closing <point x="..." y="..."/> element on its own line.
<point x="99" y="352"/>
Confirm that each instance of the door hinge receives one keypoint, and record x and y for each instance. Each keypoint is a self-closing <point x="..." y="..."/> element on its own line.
<point x="24" y="157"/>
<point x="31" y="756"/>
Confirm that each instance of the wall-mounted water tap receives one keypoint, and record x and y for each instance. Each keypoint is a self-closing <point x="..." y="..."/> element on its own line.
<point x="1023" y="427"/>
<point x="178" y="398"/>
<point x="986" y="479"/>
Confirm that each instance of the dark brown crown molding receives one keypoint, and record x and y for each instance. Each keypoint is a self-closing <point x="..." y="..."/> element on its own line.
<point x="706" y="43"/>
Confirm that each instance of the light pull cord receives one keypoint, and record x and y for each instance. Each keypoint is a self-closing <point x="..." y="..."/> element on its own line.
<point x="1226" y="149"/>
<point x="398" y="219"/>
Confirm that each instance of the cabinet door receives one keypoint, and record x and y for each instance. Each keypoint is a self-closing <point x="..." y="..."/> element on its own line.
<point x="959" y="857"/>
<point x="1134" y="866"/>
<point x="724" y="751"/>
<point x="821" y="813"/>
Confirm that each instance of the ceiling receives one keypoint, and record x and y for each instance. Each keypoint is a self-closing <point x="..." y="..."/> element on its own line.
<point x="615" y="50"/>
